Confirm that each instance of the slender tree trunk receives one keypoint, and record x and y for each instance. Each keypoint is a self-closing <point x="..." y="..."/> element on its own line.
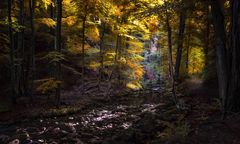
<point x="58" y="47"/>
<point x="101" y="54"/>
<point x="32" y="49"/>
<point x="220" y="43"/>
<point x="83" y="52"/>
<point x="52" y="15"/>
<point x="188" y="51"/>
<point x="169" y="30"/>
<point x="180" y="42"/>
<point x="23" y="83"/>
<point x="12" y="65"/>
<point x="233" y="101"/>
<point x="207" y="38"/>
<point x="114" y="67"/>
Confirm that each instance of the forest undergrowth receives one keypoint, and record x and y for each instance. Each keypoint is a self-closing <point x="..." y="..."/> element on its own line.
<point x="147" y="116"/>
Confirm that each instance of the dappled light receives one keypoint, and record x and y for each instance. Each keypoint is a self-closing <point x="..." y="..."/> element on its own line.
<point x="119" y="71"/>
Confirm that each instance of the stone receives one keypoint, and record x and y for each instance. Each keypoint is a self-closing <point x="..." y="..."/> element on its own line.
<point x="16" y="141"/>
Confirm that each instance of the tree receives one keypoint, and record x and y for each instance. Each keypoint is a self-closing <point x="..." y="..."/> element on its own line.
<point x="220" y="42"/>
<point x="182" y="21"/>
<point x="32" y="68"/>
<point x="233" y="100"/>
<point x="58" y="47"/>
<point x="12" y="65"/>
<point x="171" y="72"/>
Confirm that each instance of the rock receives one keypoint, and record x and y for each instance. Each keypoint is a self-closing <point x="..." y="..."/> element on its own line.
<point x="22" y="136"/>
<point x="70" y="118"/>
<point x="56" y="130"/>
<point x="78" y="141"/>
<point x="41" y="141"/>
<point x="70" y="127"/>
<point x="16" y="141"/>
<point x="28" y="142"/>
<point x="64" y="132"/>
<point x="4" y="139"/>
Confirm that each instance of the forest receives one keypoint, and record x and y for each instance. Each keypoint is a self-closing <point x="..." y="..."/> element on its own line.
<point x="119" y="71"/>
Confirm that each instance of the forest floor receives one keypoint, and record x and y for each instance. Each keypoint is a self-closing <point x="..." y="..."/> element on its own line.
<point x="145" y="117"/>
<point x="206" y="118"/>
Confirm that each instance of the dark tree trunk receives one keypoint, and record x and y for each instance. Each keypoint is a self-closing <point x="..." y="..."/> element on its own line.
<point x="180" y="43"/>
<point x="188" y="51"/>
<point x="169" y="30"/>
<point x="207" y="38"/>
<point x="32" y="49"/>
<point x="52" y="16"/>
<point x="220" y="43"/>
<point x="23" y="82"/>
<point x="58" y="46"/>
<point x="83" y="51"/>
<point x="12" y="65"/>
<point x="233" y="100"/>
<point x="101" y="53"/>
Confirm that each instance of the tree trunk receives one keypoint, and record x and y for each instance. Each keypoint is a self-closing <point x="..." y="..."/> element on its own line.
<point x="58" y="47"/>
<point x="83" y="52"/>
<point x="107" y="94"/>
<point x="207" y="38"/>
<point x="12" y="65"/>
<point x="180" y="43"/>
<point x="188" y="51"/>
<point x="233" y="100"/>
<point x="32" y="49"/>
<point x="23" y="81"/>
<point x="169" y="30"/>
<point x="220" y="43"/>
<point x="101" y="54"/>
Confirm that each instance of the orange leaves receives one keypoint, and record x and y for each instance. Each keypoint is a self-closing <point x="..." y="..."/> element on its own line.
<point x="152" y="24"/>
<point x="137" y="69"/>
<point x="70" y="21"/>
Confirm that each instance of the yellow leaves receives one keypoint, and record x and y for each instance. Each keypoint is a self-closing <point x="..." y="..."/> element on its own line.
<point x="77" y="49"/>
<point x="94" y="65"/>
<point x="134" y="85"/>
<point x="152" y="23"/>
<point x="46" y="21"/>
<point x="47" y="85"/>
<point x="137" y="58"/>
<point x="137" y="69"/>
<point x="122" y="60"/>
<point x="138" y="73"/>
<point x="196" y="64"/>
<point x="153" y="3"/>
<point x="45" y="3"/>
<point x="110" y="55"/>
<point x="69" y="7"/>
<point x="136" y="47"/>
<point x="118" y="10"/>
<point x="70" y="21"/>
<point x="93" y="34"/>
